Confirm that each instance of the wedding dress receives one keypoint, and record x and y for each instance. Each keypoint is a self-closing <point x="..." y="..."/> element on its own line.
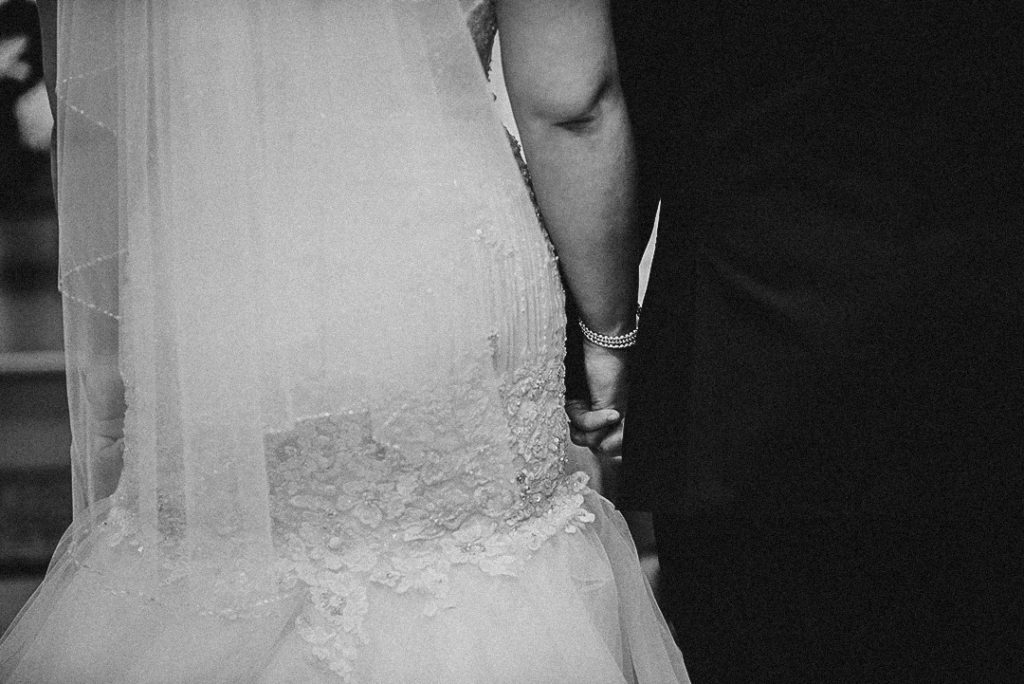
<point x="295" y="231"/>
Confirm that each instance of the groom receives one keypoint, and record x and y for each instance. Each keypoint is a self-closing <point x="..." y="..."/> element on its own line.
<point x="826" y="414"/>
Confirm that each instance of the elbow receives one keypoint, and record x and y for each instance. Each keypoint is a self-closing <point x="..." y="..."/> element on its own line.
<point x="589" y="110"/>
<point x="576" y="105"/>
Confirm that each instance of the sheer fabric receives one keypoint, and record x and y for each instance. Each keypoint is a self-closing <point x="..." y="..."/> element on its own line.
<point x="272" y="225"/>
<point x="298" y="258"/>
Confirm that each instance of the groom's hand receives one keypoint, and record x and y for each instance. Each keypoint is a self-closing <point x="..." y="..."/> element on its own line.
<point x="588" y="427"/>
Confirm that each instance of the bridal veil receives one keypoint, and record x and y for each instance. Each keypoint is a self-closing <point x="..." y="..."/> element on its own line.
<point x="233" y="186"/>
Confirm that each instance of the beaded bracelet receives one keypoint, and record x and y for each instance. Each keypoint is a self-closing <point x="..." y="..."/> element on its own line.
<point x="623" y="341"/>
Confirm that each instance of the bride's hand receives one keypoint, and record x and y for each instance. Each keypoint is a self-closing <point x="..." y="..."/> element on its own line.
<point x="104" y="390"/>
<point x="599" y="423"/>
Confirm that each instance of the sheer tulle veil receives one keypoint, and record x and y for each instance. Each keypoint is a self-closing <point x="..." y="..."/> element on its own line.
<point x="261" y="224"/>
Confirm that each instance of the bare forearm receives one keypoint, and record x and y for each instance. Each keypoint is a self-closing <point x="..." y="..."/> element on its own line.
<point x="585" y="184"/>
<point x="563" y="85"/>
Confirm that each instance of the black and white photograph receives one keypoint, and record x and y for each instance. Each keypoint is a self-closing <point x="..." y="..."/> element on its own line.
<point x="511" y="342"/>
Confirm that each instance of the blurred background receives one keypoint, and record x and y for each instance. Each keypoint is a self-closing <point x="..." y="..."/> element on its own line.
<point x="35" y="490"/>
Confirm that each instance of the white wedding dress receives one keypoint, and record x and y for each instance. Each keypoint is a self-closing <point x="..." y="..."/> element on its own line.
<point x="296" y="230"/>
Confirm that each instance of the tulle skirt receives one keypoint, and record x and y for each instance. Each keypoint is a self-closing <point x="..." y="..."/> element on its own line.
<point x="580" y="611"/>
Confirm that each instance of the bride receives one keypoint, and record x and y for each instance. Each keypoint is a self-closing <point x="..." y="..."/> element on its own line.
<point x="315" y="342"/>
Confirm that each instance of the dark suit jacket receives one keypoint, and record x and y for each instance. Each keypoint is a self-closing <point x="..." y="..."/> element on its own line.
<point x="834" y="318"/>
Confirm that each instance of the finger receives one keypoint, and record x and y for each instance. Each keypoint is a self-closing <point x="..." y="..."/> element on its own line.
<point x="610" y="445"/>
<point x="575" y="408"/>
<point x="589" y="421"/>
<point x="586" y="439"/>
<point x="578" y="437"/>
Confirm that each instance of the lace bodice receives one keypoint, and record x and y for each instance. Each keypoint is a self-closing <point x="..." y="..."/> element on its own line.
<point x="469" y="470"/>
<point x="450" y="482"/>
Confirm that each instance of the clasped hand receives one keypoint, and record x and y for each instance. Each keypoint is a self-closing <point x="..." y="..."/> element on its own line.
<point x="598" y="423"/>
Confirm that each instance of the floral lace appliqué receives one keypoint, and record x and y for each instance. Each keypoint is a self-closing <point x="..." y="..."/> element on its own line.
<point x="466" y="474"/>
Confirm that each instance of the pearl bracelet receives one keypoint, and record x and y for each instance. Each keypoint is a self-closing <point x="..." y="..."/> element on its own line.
<point x="623" y="341"/>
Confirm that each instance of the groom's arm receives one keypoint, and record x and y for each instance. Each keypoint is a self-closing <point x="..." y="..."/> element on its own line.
<point x="560" y="68"/>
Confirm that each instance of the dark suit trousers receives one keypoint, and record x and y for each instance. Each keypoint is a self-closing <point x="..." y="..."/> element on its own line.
<point x="926" y="599"/>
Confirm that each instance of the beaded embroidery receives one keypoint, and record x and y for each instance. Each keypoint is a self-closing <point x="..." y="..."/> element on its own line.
<point x="451" y="479"/>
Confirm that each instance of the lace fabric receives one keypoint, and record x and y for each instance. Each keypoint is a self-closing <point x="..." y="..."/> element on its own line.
<point x="440" y="481"/>
<point x="418" y="498"/>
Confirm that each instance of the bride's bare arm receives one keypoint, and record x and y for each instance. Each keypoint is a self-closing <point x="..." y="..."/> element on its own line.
<point x="562" y="78"/>
<point x="560" y="69"/>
